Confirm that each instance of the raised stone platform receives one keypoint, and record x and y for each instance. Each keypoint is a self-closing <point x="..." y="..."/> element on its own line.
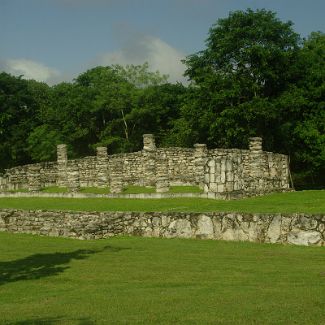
<point x="297" y="228"/>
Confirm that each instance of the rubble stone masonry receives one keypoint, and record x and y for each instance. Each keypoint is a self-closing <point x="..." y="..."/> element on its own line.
<point x="222" y="172"/>
<point x="298" y="228"/>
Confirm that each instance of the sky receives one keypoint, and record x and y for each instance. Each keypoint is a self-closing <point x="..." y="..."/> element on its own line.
<point x="56" y="40"/>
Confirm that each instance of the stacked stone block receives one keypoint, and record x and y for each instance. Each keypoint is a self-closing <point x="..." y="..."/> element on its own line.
<point x="222" y="173"/>
<point x="149" y="160"/>
<point x="149" y="143"/>
<point x="162" y="183"/>
<point x="116" y="177"/>
<point x="200" y="160"/>
<point x="255" y="167"/>
<point x="62" y="161"/>
<point x="102" y="167"/>
<point x="34" y="178"/>
<point x="73" y="176"/>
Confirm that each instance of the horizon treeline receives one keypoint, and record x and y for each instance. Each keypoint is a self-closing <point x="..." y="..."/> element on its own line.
<point x="256" y="77"/>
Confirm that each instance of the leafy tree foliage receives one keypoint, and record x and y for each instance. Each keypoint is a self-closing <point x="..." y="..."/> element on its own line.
<point x="248" y="61"/>
<point x="18" y="107"/>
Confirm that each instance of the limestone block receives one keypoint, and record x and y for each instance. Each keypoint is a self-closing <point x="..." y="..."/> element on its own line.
<point x="229" y="186"/>
<point x="149" y="142"/>
<point x="204" y="227"/>
<point x="223" y="166"/>
<point x="274" y="230"/>
<point x="255" y="144"/>
<point x="179" y="228"/>
<point x="211" y="163"/>
<point x="212" y="178"/>
<point x="221" y="188"/>
<point x="213" y="187"/>
<point x="229" y="166"/>
<point x="305" y="238"/>
<point x="223" y="177"/>
<point x="228" y="234"/>
<point x="206" y="178"/>
<point x="230" y="176"/>
<point x="305" y="223"/>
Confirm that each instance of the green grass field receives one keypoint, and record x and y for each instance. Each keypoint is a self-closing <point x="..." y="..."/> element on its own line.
<point x="304" y="201"/>
<point x="129" y="280"/>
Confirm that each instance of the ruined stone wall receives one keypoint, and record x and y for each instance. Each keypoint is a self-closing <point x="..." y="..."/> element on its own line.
<point x="246" y="171"/>
<point x="180" y="164"/>
<point x="129" y="167"/>
<point x="239" y="172"/>
<point x="298" y="229"/>
<point x="20" y="177"/>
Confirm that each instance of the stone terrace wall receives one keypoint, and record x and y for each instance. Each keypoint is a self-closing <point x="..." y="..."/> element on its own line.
<point x="298" y="229"/>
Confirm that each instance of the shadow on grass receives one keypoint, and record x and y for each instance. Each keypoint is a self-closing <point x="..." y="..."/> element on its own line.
<point x="54" y="321"/>
<point x="44" y="265"/>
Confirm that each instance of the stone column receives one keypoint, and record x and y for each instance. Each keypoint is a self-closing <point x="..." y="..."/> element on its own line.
<point x="257" y="161"/>
<point x="200" y="159"/>
<point x="162" y="179"/>
<point x="73" y="177"/>
<point x="62" y="160"/>
<point x="34" y="178"/>
<point x="116" y="176"/>
<point x="102" y="167"/>
<point x="255" y="144"/>
<point x="149" y="142"/>
<point x="149" y="156"/>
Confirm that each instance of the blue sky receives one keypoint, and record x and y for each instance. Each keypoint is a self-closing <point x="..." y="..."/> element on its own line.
<point x="55" y="40"/>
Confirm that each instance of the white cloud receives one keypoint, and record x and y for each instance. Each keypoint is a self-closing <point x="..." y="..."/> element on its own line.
<point x="30" y="70"/>
<point x="161" y="56"/>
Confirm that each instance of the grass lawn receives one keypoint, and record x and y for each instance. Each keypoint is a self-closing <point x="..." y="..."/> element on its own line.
<point x="129" y="280"/>
<point x="304" y="201"/>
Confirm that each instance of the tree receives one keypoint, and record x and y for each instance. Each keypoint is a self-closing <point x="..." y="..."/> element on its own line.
<point x="249" y="54"/>
<point x="249" y="59"/>
<point x="140" y="76"/>
<point x="156" y="109"/>
<point x="18" y="116"/>
<point x="302" y="119"/>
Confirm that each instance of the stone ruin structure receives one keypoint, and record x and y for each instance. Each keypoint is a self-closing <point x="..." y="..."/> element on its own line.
<point x="221" y="173"/>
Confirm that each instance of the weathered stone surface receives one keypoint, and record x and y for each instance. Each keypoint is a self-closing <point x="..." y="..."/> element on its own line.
<point x="274" y="230"/>
<point x="62" y="161"/>
<point x="271" y="228"/>
<point x="222" y="173"/>
<point x="306" y="238"/>
<point x="204" y="227"/>
<point x="180" y="228"/>
<point x="102" y="167"/>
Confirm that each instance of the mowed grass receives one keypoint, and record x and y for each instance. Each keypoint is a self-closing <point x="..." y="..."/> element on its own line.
<point x="129" y="280"/>
<point x="304" y="201"/>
